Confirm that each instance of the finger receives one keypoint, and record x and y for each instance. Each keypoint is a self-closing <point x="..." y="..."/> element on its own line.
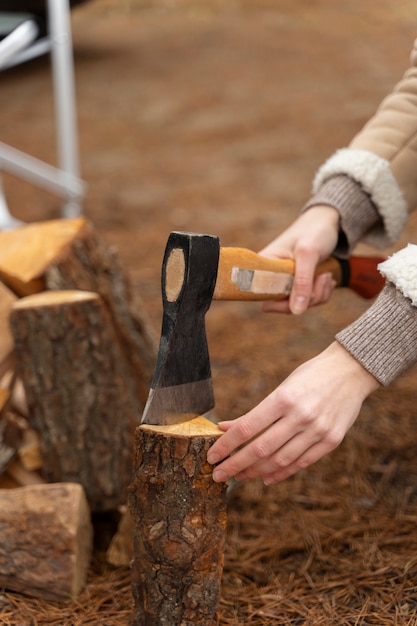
<point x="244" y="428"/>
<point x="283" y="457"/>
<point x="253" y="453"/>
<point x="239" y="432"/>
<point x="302" y="289"/>
<point x="323" y="288"/>
<point x="226" y="424"/>
<point x="310" y="456"/>
<point x="276" y="306"/>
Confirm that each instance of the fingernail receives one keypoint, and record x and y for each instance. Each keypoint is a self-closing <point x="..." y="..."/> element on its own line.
<point x="298" y="305"/>
<point x="268" y="481"/>
<point x="219" y="476"/>
<point x="213" y="458"/>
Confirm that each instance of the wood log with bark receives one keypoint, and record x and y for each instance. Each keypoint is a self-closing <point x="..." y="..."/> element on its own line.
<point x="179" y="516"/>
<point x="45" y="540"/>
<point x="79" y="392"/>
<point x="70" y="254"/>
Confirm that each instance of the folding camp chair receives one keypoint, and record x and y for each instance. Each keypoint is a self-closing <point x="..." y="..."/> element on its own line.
<point x="23" y="36"/>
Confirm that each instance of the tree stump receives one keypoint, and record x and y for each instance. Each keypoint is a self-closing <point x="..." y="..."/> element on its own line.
<point x="45" y="540"/>
<point x="79" y="392"/>
<point x="179" y="516"/>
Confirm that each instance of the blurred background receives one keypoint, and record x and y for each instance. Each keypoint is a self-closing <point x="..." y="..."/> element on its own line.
<point x="213" y="116"/>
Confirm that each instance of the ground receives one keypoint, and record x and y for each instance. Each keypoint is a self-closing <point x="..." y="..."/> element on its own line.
<point x="213" y="116"/>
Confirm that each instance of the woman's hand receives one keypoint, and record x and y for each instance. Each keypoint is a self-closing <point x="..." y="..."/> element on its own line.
<point x="309" y="240"/>
<point x="303" y="419"/>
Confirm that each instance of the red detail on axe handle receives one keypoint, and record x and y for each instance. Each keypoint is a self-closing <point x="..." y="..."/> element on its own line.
<point x="365" y="277"/>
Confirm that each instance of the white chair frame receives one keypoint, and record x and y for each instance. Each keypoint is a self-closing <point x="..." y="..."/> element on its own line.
<point x="20" y="46"/>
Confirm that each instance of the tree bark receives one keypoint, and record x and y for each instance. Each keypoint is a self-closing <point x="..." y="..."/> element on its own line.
<point x="179" y="516"/>
<point x="79" y="392"/>
<point x="45" y="540"/>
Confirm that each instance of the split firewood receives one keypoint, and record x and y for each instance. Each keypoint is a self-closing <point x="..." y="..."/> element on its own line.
<point x="7" y="482"/>
<point x="10" y="434"/>
<point x="29" y="450"/>
<point x="7" y="298"/>
<point x="69" y="254"/>
<point x="22" y="476"/>
<point x="79" y="393"/>
<point x="179" y="516"/>
<point x="18" y="398"/>
<point x="120" y="550"/>
<point x="45" y="540"/>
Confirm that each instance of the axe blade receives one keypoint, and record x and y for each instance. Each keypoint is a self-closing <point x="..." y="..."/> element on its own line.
<point x="181" y="388"/>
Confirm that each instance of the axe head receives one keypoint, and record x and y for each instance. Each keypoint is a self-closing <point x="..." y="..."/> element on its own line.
<point x="181" y="388"/>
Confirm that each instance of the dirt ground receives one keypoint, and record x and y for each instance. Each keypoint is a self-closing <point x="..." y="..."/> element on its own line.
<point x="212" y="116"/>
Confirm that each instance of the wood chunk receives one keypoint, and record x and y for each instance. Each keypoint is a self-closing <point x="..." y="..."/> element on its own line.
<point x="79" y="393"/>
<point x="7" y="299"/>
<point x="27" y="252"/>
<point x="22" y="476"/>
<point x="69" y="254"/>
<point x="7" y="482"/>
<point x="29" y="450"/>
<point x="120" y="550"/>
<point x="4" y="399"/>
<point x="18" y="399"/>
<point x="45" y="540"/>
<point x="10" y="435"/>
<point x="179" y="516"/>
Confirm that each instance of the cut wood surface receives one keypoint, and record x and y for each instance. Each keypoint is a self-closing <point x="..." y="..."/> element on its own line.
<point x="45" y="540"/>
<point x="26" y="253"/>
<point x="79" y="392"/>
<point x="69" y="254"/>
<point x="179" y="516"/>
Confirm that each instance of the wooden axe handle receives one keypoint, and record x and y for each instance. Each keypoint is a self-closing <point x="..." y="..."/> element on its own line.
<point x="245" y="275"/>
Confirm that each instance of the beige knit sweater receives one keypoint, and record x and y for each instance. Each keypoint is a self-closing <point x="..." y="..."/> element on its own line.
<point x="373" y="185"/>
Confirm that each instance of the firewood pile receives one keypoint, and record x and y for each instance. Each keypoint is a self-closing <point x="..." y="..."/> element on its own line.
<point x="76" y="357"/>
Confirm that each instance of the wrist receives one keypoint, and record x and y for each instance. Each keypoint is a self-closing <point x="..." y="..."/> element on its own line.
<point x="365" y="382"/>
<point x="329" y="214"/>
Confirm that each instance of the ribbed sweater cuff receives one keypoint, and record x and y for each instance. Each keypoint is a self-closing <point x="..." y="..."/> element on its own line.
<point x="384" y="338"/>
<point x="358" y="213"/>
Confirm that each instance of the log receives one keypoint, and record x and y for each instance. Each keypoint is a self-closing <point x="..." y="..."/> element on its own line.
<point x="79" y="392"/>
<point x="69" y="254"/>
<point x="179" y="516"/>
<point x="45" y="540"/>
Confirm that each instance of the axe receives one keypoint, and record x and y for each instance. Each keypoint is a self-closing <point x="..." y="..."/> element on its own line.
<point x="195" y="270"/>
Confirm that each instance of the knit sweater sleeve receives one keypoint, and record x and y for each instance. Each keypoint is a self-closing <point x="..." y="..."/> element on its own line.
<point x="358" y="214"/>
<point x="384" y="338"/>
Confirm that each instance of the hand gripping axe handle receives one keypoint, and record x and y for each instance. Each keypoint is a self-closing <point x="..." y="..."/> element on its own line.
<point x="196" y="270"/>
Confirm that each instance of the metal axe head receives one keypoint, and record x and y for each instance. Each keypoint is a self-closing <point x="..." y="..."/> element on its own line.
<point x="182" y="388"/>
